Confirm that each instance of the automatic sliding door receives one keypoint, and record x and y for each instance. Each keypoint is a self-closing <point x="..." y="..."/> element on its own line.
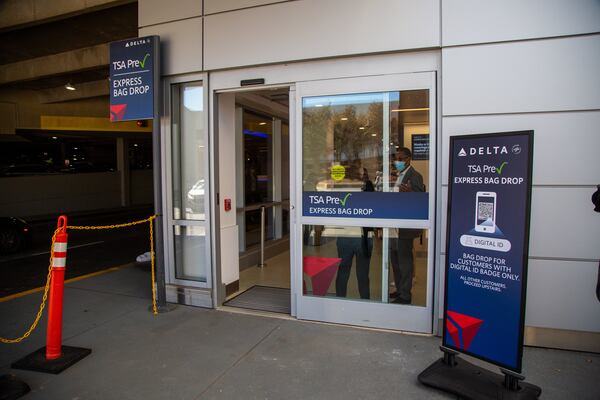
<point x="366" y="207"/>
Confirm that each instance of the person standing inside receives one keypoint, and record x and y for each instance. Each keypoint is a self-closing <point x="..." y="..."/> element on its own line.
<point x="359" y="247"/>
<point x="401" y="248"/>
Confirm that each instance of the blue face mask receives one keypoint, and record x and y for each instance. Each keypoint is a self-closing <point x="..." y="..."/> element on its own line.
<point x="400" y="165"/>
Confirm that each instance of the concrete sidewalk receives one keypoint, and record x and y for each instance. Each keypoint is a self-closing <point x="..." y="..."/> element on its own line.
<point x="194" y="353"/>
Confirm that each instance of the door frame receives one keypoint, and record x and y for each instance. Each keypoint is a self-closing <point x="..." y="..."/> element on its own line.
<point x="167" y="183"/>
<point x="289" y="74"/>
<point x="219" y="292"/>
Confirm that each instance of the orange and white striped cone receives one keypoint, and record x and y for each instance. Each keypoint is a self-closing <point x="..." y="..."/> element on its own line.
<point x="55" y="358"/>
<point x="55" y="306"/>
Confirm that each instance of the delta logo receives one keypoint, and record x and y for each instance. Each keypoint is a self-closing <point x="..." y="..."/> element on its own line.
<point x="462" y="329"/>
<point x="484" y="151"/>
<point x="117" y="112"/>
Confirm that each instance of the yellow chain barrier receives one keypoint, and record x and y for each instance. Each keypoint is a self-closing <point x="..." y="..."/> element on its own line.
<point x="44" y="297"/>
<point x="149" y="220"/>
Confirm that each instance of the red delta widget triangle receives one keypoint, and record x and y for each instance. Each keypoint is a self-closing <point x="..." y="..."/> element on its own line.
<point x="460" y="325"/>
<point x="117" y="112"/>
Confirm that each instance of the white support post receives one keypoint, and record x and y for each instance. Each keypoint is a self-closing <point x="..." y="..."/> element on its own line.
<point x="240" y="195"/>
<point x="277" y="210"/>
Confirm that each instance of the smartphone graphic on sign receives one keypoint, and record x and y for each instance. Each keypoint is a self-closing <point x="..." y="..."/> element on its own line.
<point x="485" y="212"/>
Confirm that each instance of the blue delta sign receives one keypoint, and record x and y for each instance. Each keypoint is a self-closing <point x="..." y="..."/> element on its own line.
<point x="487" y="246"/>
<point x="133" y="75"/>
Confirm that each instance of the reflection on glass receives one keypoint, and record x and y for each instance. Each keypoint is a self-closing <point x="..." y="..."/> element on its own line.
<point x="352" y="136"/>
<point x="190" y="260"/>
<point x="188" y="151"/>
<point x="374" y="264"/>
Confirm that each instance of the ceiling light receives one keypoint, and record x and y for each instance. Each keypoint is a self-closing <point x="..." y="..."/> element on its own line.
<point x="344" y="119"/>
<point x="68" y="86"/>
<point x="75" y="148"/>
<point x="362" y="128"/>
<point x="373" y="134"/>
<point x="410" y="109"/>
<point x="262" y="123"/>
<point x="54" y="137"/>
<point x="135" y="145"/>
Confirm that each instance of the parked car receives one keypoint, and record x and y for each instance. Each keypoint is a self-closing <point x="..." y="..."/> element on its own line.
<point x="27" y="169"/>
<point x="15" y="234"/>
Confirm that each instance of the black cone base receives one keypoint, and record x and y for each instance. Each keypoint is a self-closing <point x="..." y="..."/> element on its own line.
<point x="12" y="387"/>
<point x="469" y="381"/>
<point x="36" y="361"/>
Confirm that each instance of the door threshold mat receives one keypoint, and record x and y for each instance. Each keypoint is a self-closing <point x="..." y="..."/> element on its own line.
<point x="263" y="298"/>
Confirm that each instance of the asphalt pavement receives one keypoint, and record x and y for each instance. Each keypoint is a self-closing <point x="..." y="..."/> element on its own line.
<point x="88" y="251"/>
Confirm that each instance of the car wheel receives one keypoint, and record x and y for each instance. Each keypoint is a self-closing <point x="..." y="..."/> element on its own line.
<point x="10" y="241"/>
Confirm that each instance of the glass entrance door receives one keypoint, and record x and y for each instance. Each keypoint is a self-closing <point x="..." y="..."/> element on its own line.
<point x="363" y="226"/>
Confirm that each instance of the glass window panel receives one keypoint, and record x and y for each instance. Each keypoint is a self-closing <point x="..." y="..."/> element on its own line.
<point x="372" y="136"/>
<point x="190" y="256"/>
<point x="372" y="264"/>
<point x="188" y="151"/>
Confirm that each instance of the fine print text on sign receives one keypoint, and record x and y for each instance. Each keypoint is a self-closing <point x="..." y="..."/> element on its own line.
<point x="132" y="68"/>
<point x="488" y="229"/>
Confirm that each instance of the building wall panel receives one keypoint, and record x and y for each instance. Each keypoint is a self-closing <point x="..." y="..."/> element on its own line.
<point x="218" y="6"/>
<point x="475" y="21"/>
<point x="562" y="295"/>
<point x="532" y="76"/>
<point x="181" y="45"/>
<point x="313" y="29"/>
<point x="151" y="12"/>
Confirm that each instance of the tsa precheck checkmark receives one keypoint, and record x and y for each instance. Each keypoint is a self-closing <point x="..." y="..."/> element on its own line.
<point x="143" y="62"/>
<point x="345" y="198"/>
<point x="499" y="169"/>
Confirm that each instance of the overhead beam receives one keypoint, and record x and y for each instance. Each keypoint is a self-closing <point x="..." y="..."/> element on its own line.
<point x="96" y="124"/>
<point x="55" y="64"/>
<point x="20" y="13"/>
<point x="84" y="90"/>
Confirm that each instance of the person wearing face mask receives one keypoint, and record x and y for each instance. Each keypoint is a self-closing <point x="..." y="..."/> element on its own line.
<point x="401" y="247"/>
<point x="409" y="180"/>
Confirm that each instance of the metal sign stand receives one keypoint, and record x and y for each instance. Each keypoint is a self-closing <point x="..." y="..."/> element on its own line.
<point x="468" y="381"/>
